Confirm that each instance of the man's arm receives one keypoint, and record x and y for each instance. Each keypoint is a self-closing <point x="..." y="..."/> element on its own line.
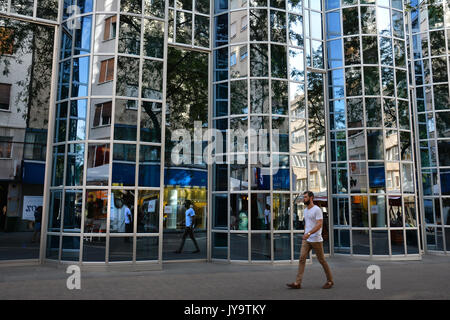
<point x="192" y="218"/>
<point x="316" y="228"/>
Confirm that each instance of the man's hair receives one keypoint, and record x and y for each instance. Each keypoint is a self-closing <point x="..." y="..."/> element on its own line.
<point x="309" y="193"/>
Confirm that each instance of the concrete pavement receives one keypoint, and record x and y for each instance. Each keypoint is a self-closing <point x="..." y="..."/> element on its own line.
<point x="425" y="279"/>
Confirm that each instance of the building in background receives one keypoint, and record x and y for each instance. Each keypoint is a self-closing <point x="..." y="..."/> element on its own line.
<point x="354" y="92"/>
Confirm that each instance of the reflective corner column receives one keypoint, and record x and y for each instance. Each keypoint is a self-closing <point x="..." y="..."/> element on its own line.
<point x="260" y="91"/>
<point x="105" y="181"/>
<point x="430" y="46"/>
<point x="373" y="188"/>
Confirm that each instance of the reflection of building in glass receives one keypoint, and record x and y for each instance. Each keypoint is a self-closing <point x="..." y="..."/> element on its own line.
<point x="370" y="130"/>
<point x="25" y="68"/>
<point x="429" y="60"/>
<point x="334" y="86"/>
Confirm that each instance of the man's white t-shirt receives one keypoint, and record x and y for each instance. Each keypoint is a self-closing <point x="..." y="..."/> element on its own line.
<point x="190" y="213"/>
<point x="311" y="216"/>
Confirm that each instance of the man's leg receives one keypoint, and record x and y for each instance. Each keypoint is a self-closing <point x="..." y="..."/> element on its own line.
<point x="191" y="235"/>
<point x="318" y="250"/>
<point x="306" y="247"/>
<point x="182" y="241"/>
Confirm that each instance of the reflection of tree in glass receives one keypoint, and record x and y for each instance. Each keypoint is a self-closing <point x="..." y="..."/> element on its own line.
<point x="259" y="60"/>
<point x="316" y="108"/>
<point x="278" y="26"/>
<point x="187" y="91"/>
<point x="238" y="102"/>
<point x="130" y="35"/>
<point x="21" y="39"/>
<point x="258" y="25"/>
<point x="355" y="115"/>
<point x="387" y="80"/>
<point x="435" y="15"/>
<point x="386" y="51"/>
<point x="443" y="124"/>
<point x="353" y="81"/>
<point x="296" y="38"/>
<point x="127" y="76"/>
<point x="390" y="115"/>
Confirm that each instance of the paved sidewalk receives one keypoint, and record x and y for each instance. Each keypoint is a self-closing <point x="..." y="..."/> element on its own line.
<point x="426" y="279"/>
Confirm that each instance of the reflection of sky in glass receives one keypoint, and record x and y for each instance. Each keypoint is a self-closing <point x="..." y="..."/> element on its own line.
<point x="316" y="25"/>
<point x="84" y="70"/>
<point x="333" y="24"/>
<point x="338" y="106"/>
<point x="81" y="114"/>
<point x="306" y="24"/>
<point x="296" y="68"/>
<point x="335" y="54"/>
<point x="338" y="77"/>
<point x="332" y="4"/>
<point x="85" y="34"/>
<point x="295" y="6"/>
<point x="383" y="21"/>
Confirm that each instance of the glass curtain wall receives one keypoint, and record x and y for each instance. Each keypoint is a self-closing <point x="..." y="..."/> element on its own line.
<point x="105" y="182"/>
<point x="373" y="189"/>
<point x="263" y="88"/>
<point x="430" y="39"/>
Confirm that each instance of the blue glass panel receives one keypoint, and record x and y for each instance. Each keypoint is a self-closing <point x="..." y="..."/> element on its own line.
<point x="331" y="4"/>
<point x="333" y="25"/>
<point x="377" y="177"/>
<point x="123" y="174"/>
<point x="281" y="179"/>
<point x="335" y="59"/>
<point x="80" y="77"/>
<point x="185" y="177"/>
<point x="221" y="64"/>
<point x="83" y="36"/>
<point x="220" y="6"/>
<point x="149" y="175"/>
<point x="85" y="6"/>
<point x="221" y="32"/>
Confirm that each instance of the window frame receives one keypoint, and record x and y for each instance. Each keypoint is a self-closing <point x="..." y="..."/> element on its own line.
<point x="9" y="96"/>
<point x="8" y="141"/>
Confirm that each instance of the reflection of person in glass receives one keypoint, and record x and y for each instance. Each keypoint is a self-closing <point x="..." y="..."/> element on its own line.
<point x="189" y="230"/>
<point x="243" y="220"/>
<point x="121" y="219"/>
<point x="267" y="218"/>
<point x="3" y="218"/>
<point x="37" y="223"/>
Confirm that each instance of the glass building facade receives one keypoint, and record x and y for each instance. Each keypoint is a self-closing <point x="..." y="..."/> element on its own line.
<point x="237" y="107"/>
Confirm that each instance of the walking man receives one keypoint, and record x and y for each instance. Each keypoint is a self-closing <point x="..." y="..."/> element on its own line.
<point x="189" y="230"/>
<point x="312" y="239"/>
